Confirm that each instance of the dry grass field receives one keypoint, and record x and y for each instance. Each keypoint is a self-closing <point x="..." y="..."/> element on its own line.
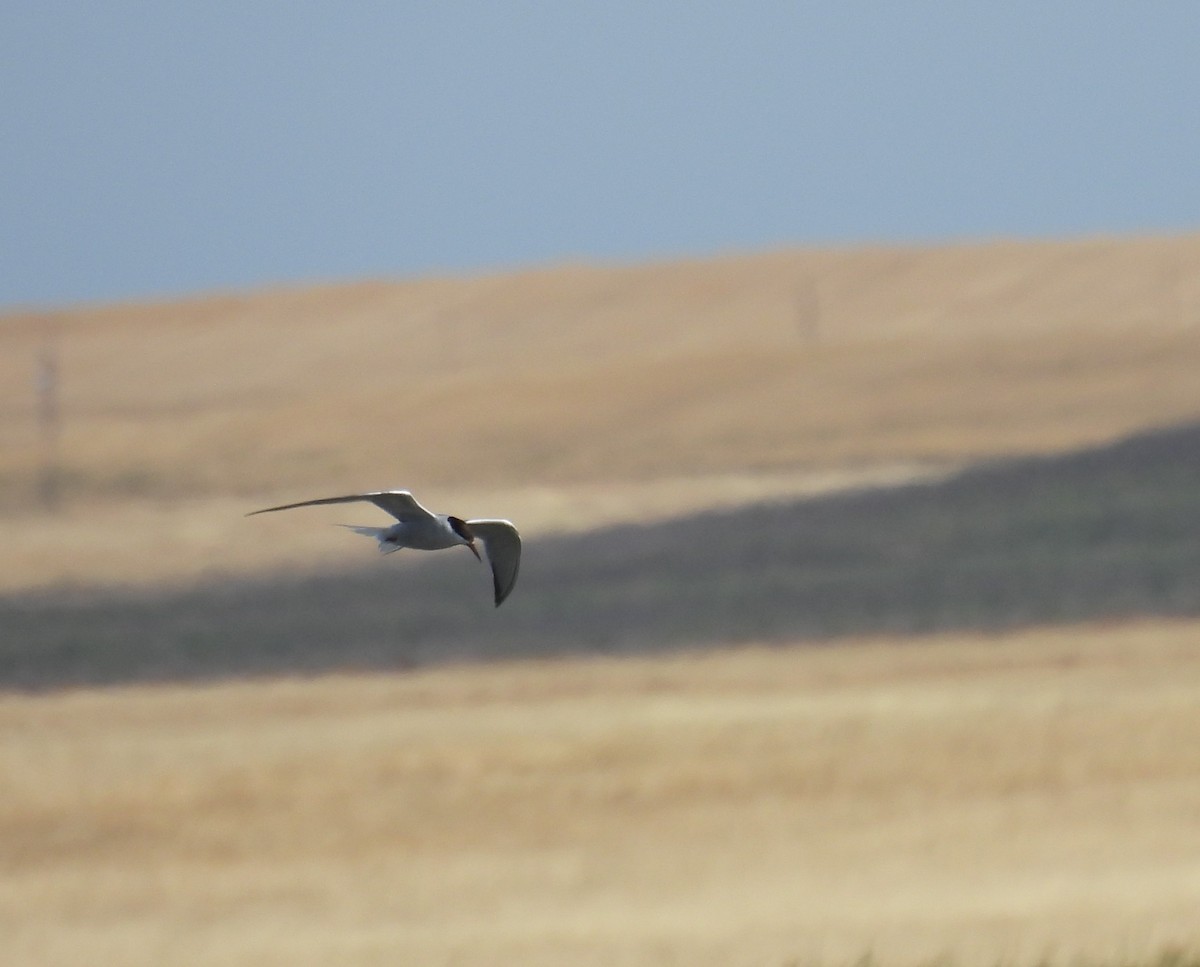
<point x="1103" y="534"/>
<point x="1014" y="796"/>
<point x="989" y="800"/>
<point x="580" y="394"/>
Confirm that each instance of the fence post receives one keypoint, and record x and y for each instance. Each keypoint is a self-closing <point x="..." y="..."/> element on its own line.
<point x="49" y="415"/>
<point x="807" y="306"/>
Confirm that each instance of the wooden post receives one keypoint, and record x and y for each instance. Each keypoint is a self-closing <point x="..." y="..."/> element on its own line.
<point x="1177" y="307"/>
<point x="808" y="311"/>
<point x="49" y="415"/>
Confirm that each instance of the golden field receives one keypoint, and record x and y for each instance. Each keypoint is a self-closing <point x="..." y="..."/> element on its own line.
<point x="1006" y="799"/>
<point x="578" y="395"/>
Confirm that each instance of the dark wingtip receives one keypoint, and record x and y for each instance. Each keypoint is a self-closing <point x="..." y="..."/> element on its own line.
<point x="501" y="594"/>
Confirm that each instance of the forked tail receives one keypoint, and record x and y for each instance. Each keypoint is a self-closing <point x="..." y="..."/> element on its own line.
<point x="379" y="533"/>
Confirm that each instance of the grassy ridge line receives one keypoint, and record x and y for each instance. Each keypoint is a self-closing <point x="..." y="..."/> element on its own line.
<point x="775" y="361"/>
<point x="1112" y="533"/>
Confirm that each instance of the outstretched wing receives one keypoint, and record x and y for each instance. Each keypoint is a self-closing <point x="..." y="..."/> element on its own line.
<point x="399" y="503"/>
<point x="502" y="544"/>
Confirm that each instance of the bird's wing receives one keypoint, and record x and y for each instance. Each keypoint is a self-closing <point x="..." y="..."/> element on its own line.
<point x="399" y="503"/>
<point x="502" y="544"/>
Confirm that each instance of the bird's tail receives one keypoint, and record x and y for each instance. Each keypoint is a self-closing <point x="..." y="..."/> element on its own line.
<point x="379" y="533"/>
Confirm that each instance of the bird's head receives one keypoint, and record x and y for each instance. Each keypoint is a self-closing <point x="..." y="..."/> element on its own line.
<point x="459" y="526"/>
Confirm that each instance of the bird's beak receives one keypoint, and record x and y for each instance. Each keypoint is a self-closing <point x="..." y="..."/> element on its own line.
<point x="474" y="550"/>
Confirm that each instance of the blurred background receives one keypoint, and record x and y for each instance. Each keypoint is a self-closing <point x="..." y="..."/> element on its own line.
<point x="769" y="325"/>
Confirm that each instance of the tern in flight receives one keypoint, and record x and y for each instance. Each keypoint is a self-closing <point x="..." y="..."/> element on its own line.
<point x="425" y="531"/>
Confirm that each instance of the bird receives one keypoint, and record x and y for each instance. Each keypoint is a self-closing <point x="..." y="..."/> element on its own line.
<point x="424" y="530"/>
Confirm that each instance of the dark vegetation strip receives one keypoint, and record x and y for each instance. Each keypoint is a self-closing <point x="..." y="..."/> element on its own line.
<point x="1107" y="533"/>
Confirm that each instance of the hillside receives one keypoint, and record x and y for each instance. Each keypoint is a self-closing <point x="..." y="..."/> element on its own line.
<point x="541" y="389"/>
<point x="968" y="474"/>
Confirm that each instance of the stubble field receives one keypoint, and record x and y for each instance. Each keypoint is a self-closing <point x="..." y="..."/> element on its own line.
<point x="1002" y="799"/>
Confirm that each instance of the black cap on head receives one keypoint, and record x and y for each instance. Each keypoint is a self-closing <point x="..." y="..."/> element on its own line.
<point x="459" y="526"/>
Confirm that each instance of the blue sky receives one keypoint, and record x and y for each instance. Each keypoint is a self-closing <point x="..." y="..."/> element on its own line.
<point x="155" y="149"/>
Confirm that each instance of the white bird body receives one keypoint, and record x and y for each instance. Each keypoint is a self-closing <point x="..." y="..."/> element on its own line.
<point x="422" y="530"/>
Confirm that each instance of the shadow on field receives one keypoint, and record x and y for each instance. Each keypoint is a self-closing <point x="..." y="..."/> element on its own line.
<point x="1106" y="533"/>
